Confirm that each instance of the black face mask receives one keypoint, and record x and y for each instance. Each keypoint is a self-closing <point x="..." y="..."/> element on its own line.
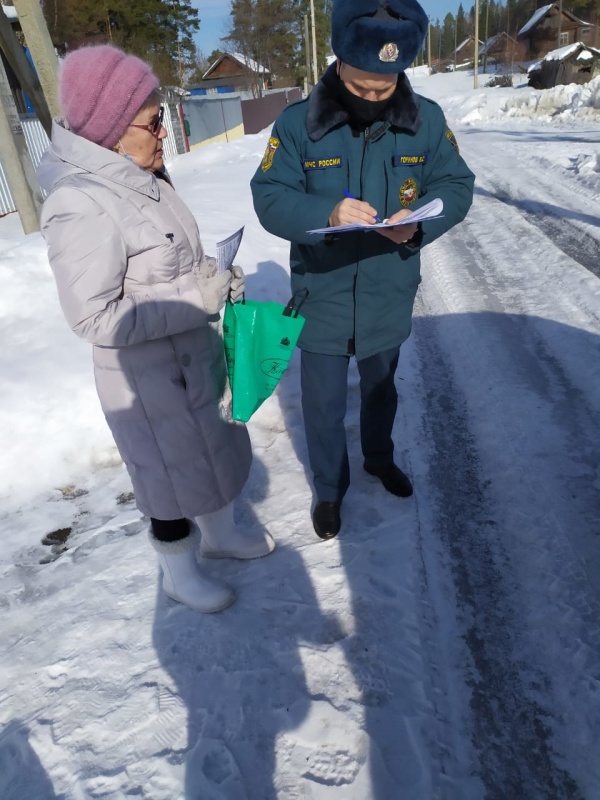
<point x="362" y="112"/>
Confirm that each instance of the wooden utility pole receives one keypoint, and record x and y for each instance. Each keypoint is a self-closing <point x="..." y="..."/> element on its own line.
<point x="41" y="48"/>
<point x="314" y="42"/>
<point x="429" y="46"/>
<point x="487" y="18"/>
<point x="15" y="55"/>
<point x="476" y="52"/>
<point x="455" y="39"/>
<point x="308" y="83"/>
<point x="16" y="160"/>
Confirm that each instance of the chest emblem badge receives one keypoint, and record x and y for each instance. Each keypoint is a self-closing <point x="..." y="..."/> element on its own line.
<point x="408" y="192"/>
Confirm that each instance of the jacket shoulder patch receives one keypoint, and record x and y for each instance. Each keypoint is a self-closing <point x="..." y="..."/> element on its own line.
<point x="267" y="161"/>
<point x="452" y="139"/>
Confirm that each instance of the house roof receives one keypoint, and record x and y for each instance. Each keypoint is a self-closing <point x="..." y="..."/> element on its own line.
<point x="583" y="51"/>
<point x="541" y="13"/>
<point x="467" y="41"/>
<point x="489" y="43"/>
<point x="242" y="60"/>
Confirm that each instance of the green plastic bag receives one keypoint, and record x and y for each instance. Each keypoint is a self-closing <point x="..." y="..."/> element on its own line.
<point x="259" y="338"/>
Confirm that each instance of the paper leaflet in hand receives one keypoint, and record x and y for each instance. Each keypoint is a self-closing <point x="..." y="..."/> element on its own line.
<point x="227" y="250"/>
<point x="431" y="210"/>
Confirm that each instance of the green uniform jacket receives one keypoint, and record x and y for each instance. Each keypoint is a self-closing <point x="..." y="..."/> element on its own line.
<point x="361" y="285"/>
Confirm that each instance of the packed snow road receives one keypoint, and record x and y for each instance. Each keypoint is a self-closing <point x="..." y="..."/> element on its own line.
<point x="505" y="419"/>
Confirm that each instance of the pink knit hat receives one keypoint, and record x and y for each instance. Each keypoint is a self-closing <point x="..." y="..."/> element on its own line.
<point x="101" y="91"/>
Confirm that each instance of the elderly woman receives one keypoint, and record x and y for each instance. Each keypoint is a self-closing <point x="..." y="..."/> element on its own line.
<point x="133" y="280"/>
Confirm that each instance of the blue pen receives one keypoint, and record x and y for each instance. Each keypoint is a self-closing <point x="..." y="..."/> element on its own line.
<point x="352" y="197"/>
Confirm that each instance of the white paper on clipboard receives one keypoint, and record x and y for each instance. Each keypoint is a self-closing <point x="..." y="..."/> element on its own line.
<point x="432" y="210"/>
<point x="227" y="250"/>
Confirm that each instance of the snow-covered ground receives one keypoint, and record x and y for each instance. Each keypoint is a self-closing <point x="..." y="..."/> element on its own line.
<point x="446" y="646"/>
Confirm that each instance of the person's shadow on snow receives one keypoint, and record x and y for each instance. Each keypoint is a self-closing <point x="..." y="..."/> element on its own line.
<point x="236" y="677"/>
<point x="239" y="673"/>
<point x="22" y="775"/>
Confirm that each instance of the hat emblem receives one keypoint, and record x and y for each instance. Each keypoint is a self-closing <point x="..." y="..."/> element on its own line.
<point x="389" y="52"/>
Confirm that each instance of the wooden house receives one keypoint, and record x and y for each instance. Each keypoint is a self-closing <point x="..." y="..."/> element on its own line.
<point x="234" y="72"/>
<point x="548" y="30"/>
<point x="461" y="58"/>
<point x="499" y="49"/>
<point x="575" y="63"/>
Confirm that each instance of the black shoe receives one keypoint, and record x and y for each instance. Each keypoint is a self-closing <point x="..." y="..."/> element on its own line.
<point x="326" y="519"/>
<point x="393" y="479"/>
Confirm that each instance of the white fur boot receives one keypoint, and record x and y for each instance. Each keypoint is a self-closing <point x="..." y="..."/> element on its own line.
<point x="182" y="579"/>
<point x="221" y="538"/>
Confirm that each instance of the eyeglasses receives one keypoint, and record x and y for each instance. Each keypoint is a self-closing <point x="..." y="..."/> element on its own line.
<point x="154" y="127"/>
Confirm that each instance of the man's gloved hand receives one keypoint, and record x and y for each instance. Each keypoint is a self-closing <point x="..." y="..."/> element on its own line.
<point x="215" y="290"/>
<point x="237" y="283"/>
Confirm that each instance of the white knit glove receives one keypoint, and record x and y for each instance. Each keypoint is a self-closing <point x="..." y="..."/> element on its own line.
<point x="237" y="283"/>
<point x="215" y="290"/>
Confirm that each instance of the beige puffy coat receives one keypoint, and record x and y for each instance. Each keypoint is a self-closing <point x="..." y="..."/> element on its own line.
<point x="125" y="251"/>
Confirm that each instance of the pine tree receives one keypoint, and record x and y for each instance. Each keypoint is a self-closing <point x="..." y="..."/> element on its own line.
<point x="323" y="35"/>
<point x="271" y="32"/>
<point x="462" y="26"/>
<point x="160" y="31"/>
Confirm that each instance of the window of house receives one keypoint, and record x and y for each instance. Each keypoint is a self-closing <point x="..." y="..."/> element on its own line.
<point x="585" y="33"/>
<point x="564" y="39"/>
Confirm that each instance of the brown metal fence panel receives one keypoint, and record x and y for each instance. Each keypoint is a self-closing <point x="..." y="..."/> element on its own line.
<point x="262" y="112"/>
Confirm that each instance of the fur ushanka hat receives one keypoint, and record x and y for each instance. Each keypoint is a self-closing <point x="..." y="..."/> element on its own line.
<point x="382" y="36"/>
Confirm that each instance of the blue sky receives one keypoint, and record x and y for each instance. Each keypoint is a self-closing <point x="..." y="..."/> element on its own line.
<point x="214" y="19"/>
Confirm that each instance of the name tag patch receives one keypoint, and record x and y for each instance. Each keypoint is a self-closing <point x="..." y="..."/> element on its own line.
<point x="322" y="163"/>
<point x="410" y="161"/>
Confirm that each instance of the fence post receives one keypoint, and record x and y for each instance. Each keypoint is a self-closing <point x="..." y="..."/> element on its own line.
<point x="41" y="48"/>
<point x="16" y="160"/>
<point x="25" y="73"/>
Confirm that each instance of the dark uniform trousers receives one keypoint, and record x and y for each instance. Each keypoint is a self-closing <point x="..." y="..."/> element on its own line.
<point x="324" y="381"/>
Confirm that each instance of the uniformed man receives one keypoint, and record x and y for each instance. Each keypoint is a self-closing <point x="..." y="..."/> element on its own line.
<point x="362" y="147"/>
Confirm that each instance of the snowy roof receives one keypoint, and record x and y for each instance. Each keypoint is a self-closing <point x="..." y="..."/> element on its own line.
<point x="241" y="59"/>
<point x="465" y="42"/>
<point x="250" y="63"/>
<point x="489" y="43"/>
<point x="541" y="12"/>
<point x="560" y="54"/>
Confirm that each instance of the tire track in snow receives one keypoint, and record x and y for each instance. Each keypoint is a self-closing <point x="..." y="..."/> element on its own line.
<point x="577" y="237"/>
<point x="571" y="239"/>
<point x="516" y="703"/>
<point x="509" y="728"/>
